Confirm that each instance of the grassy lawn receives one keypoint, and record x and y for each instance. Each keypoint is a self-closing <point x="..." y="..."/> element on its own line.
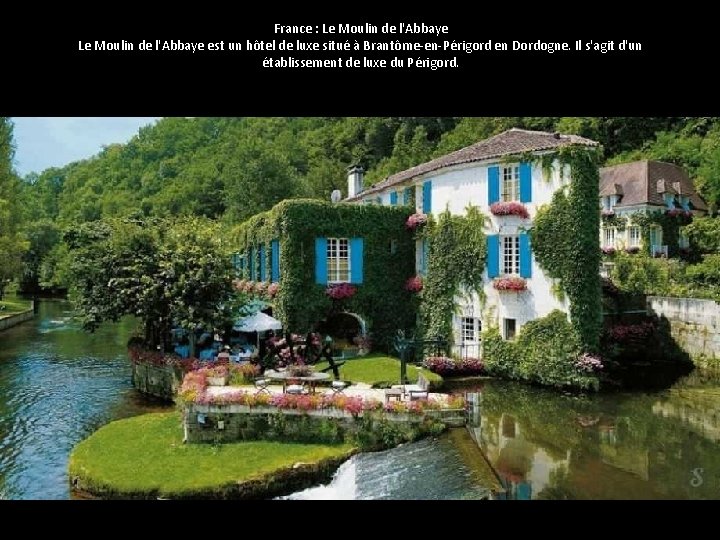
<point x="145" y="454"/>
<point x="16" y="305"/>
<point x="380" y="370"/>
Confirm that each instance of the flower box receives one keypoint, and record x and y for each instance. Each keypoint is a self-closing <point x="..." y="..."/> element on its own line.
<point x="340" y="291"/>
<point x="610" y="251"/>
<point x="509" y="209"/>
<point x="513" y="284"/>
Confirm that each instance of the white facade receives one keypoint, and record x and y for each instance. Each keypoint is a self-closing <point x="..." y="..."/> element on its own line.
<point x="457" y="187"/>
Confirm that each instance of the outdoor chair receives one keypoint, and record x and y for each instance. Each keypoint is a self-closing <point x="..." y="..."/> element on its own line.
<point x="338" y="387"/>
<point x="295" y="389"/>
<point x="262" y="386"/>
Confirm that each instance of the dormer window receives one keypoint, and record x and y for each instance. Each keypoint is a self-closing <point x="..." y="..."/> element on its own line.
<point x="669" y="199"/>
<point x="685" y="202"/>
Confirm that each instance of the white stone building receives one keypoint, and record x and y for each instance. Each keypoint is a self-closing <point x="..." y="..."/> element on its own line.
<point x="481" y="175"/>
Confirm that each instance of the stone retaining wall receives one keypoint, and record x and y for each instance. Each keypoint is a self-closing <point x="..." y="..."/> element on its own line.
<point x="16" y="318"/>
<point x="694" y="325"/>
<point x="229" y="423"/>
<point x="157" y="381"/>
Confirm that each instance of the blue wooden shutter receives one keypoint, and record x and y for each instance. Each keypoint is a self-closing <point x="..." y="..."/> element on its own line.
<point x="493" y="256"/>
<point x="407" y="195"/>
<point x="427" y="196"/>
<point x="493" y="184"/>
<point x="356" y="260"/>
<point x="321" y="261"/>
<point x="251" y="264"/>
<point x="261" y="256"/>
<point x="275" y="261"/>
<point x="393" y="198"/>
<point x="525" y="182"/>
<point x="525" y="256"/>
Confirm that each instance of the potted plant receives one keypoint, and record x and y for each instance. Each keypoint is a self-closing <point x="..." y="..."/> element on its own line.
<point x="218" y="375"/>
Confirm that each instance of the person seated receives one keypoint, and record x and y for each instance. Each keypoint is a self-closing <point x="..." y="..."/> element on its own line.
<point x="224" y="354"/>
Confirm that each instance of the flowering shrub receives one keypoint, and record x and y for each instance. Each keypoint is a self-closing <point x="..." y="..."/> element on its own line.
<point x="442" y="365"/>
<point x="340" y="291"/>
<point x="243" y="374"/>
<point x="676" y="212"/>
<point x="138" y="355"/>
<point x="300" y="370"/>
<point x="589" y="363"/>
<point x="220" y="370"/>
<point x="273" y="289"/>
<point x="512" y="283"/>
<point x="509" y="209"/>
<point x="632" y="250"/>
<point x="415" y="221"/>
<point x="414" y="284"/>
<point x="260" y="288"/>
<point x="628" y="333"/>
<point x="608" y="250"/>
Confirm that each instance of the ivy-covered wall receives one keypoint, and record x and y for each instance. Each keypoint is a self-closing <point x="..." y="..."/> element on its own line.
<point x="566" y="242"/>
<point x="669" y="223"/>
<point x="457" y="256"/>
<point x="388" y="262"/>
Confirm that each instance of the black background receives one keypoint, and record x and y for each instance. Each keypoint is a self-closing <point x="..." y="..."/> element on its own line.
<point x="48" y="75"/>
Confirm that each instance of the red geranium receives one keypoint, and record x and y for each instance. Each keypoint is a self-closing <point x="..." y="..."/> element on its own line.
<point x="340" y="291"/>
<point x="512" y="283"/>
<point x="414" y="284"/>
<point x="509" y="209"/>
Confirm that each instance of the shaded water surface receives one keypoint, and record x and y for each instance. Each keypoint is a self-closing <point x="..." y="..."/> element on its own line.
<point x="58" y="384"/>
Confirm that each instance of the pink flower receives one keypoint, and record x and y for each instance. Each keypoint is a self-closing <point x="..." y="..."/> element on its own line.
<point x="340" y="291"/>
<point x="273" y="289"/>
<point x="414" y="284"/>
<point x="260" y="287"/>
<point x="509" y="209"/>
<point x="415" y="221"/>
<point x="512" y="283"/>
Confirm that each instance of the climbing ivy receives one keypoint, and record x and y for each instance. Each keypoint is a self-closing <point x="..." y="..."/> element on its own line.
<point x="565" y="240"/>
<point x="669" y="224"/>
<point x="457" y="255"/>
<point x="388" y="261"/>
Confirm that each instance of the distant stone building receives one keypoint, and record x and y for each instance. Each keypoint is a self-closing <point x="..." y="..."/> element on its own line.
<point x="643" y="205"/>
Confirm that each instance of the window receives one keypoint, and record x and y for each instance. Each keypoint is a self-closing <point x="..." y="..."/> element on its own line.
<point x="511" y="184"/>
<point x="509" y="328"/>
<point x="511" y="255"/>
<point x="685" y="203"/>
<point x="683" y="241"/>
<point x="609" y="237"/>
<point x="338" y="260"/>
<point x="634" y="237"/>
<point x="669" y="199"/>
<point x="470" y="329"/>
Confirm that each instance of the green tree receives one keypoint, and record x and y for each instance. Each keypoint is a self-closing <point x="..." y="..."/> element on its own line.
<point x="165" y="272"/>
<point x="12" y="243"/>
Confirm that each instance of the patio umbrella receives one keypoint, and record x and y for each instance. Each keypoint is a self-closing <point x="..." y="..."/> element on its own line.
<point x="260" y="322"/>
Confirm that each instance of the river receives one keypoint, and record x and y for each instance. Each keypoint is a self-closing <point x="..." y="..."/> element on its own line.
<point x="59" y="384"/>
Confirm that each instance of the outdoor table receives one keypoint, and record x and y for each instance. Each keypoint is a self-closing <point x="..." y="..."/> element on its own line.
<point x="285" y="376"/>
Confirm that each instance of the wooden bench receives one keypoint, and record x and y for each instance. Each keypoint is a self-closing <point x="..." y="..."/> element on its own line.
<point x="421" y="390"/>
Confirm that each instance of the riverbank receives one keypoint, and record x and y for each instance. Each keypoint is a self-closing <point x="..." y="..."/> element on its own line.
<point x="14" y="312"/>
<point x="107" y="464"/>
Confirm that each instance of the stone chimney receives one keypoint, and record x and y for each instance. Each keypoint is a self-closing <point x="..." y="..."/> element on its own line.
<point x="355" y="180"/>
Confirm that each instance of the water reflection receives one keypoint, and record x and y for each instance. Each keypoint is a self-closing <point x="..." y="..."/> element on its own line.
<point x="57" y="385"/>
<point x="546" y="445"/>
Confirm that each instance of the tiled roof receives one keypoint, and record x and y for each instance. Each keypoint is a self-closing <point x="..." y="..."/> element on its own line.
<point x="507" y="143"/>
<point x="644" y="182"/>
